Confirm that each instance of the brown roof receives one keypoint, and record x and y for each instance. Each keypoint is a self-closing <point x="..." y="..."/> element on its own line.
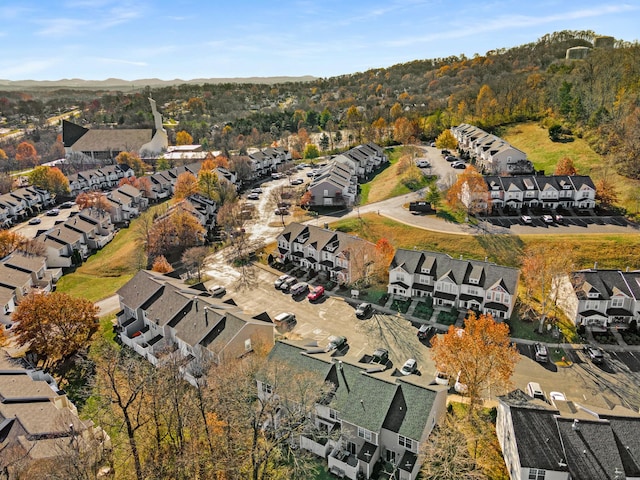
<point x="123" y="140"/>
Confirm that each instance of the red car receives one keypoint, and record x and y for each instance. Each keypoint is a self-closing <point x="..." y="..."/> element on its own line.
<point x="315" y="293"/>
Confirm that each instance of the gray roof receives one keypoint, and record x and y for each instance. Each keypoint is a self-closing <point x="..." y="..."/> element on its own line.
<point x="441" y="264"/>
<point x="607" y="283"/>
<point x="139" y="289"/>
<point x="123" y="140"/>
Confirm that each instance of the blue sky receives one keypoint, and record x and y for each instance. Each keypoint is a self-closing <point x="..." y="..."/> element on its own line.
<point x="187" y="39"/>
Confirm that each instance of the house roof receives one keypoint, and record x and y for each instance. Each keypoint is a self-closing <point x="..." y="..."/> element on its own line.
<point x="607" y="283"/>
<point x="403" y="416"/>
<point x="460" y="271"/>
<point x="12" y="277"/>
<point x="625" y="431"/>
<point x="29" y="263"/>
<point x="139" y="289"/>
<point x="123" y="140"/>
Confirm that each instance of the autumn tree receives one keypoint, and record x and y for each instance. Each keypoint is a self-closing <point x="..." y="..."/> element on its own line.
<point x="606" y="193"/>
<point x="11" y="241"/>
<point x="161" y="265"/>
<point x="95" y="199"/>
<point x="542" y="267"/>
<point x="305" y="200"/>
<point x="208" y="183"/>
<point x="194" y="258"/>
<point x="183" y="138"/>
<point x="469" y="193"/>
<point x="27" y="155"/>
<point x="186" y="185"/>
<point x="54" y="325"/>
<point x="405" y="131"/>
<point x="481" y="355"/>
<point x="50" y="179"/>
<point x="446" y="140"/>
<point x="175" y="230"/>
<point x="143" y="184"/>
<point x="6" y="183"/>
<point x="384" y="256"/>
<point x="134" y="161"/>
<point x="447" y="454"/>
<point x="565" y="166"/>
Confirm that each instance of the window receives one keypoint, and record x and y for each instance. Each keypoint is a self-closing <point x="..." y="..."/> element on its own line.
<point x="472" y="291"/>
<point x="363" y="433"/>
<point x="405" y="442"/>
<point x="592" y="305"/>
<point x="333" y="415"/>
<point x="247" y="345"/>
<point x="617" y="302"/>
<point x="399" y="277"/>
<point x="536" y="474"/>
<point x="266" y="388"/>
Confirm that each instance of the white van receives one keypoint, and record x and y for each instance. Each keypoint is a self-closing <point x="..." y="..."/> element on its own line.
<point x="535" y="390"/>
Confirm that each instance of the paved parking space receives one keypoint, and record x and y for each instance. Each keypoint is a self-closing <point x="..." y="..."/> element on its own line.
<point x="538" y="224"/>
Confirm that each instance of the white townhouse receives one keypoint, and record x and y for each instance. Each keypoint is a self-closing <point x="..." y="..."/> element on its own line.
<point x="335" y="185"/>
<point x="343" y="257"/>
<point x="126" y="202"/>
<point x="365" y="418"/>
<point x="540" y="191"/>
<point x="600" y="299"/>
<point x="492" y="154"/>
<point x="465" y="284"/>
<point x="158" y="317"/>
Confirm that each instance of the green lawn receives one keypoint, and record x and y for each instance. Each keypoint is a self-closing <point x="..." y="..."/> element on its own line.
<point x="545" y="154"/>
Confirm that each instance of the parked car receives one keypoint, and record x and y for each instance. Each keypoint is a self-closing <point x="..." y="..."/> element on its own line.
<point x="451" y="158"/>
<point x="218" y="291"/>
<point x="526" y="219"/>
<point x="423" y="164"/>
<point x="535" y="390"/>
<point x="297" y="181"/>
<point x="409" y="367"/>
<point x="53" y="212"/>
<point x="311" y="174"/>
<point x="256" y="190"/>
<point x="299" y="288"/>
<point x="316" y="293"/>
<point x="253" y="196"/>
<point x="380" y="355"/>
<point x="548" y="219"/>
<point x="284" y="320"/>
<point x="281" y="211"/>
<point x="363" y="310"/>
<point x="67" y="204"/>
<point x="278" y="281"/>
<point x="459" y="165"/>
<point x="541" y="353"/>
<point x="432" y="144"/>
<point x="445" y="151"/>
<point x="336" y="343"/>
<point x="426" y="331"/>
<point x="35" y="221"/>
<point x="276" y="175"/>
<point x="594" y="354"/>
<point x="557" y="396"/>
<point x="288" y="283"/>
<point x="559" y="219"/>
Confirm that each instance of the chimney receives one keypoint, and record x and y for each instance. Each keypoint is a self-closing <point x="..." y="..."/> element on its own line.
<point x="627" y="269"/>
<point x="460" y="256"/>
<point x="195" y="302"/>
<point x="595" y="265"/>
<point x="206" y="316"/>
<point x="575" y="425"/>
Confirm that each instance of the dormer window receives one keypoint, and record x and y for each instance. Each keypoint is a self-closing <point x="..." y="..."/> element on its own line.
<point x="473" y="281"/>
<point x="593" y="294"/>
<point x="425" y="270"/>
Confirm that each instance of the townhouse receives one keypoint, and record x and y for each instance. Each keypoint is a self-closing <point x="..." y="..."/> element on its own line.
<point x="492" y="154"/>
<point x="40" y="430"/>
<point x="103" y="178"/>
<point x="126" y="202"/>
<point x="465" y="284"/>
<point x="567" y="440"/>
<point x="358" y="419"/>
<point x="264" y="162"/>
<point x="344" y="258"/>
<point x="600" y="299"/>
<point x="540" y="191"/>
<point x="159" y="317"/>
<point x="337" y="183"/>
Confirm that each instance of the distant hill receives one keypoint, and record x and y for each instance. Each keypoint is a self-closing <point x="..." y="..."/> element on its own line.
<point x="119" y="84"/>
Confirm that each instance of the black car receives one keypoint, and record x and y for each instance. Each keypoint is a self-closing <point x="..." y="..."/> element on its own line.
<point x="426" y="331"/>
<point x="363" y="310"/>
<point x="381" y="355"/>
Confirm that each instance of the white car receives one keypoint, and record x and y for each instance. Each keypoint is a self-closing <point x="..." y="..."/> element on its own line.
<point x="547" y="219"/>
<point x="409" y="367"/>
<point x="526" y="219"/>
<point x="423" y="164"/>
<point x="557" y="396"/>
<point x="442" y="378"/>
<point x="218" y="291"/>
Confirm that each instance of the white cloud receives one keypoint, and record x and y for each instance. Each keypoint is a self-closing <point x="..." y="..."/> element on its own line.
<point x="60" y="27"/>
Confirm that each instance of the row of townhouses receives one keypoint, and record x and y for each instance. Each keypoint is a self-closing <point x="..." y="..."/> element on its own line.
<point x="103" y="178"/>
<point x="337" y="183"/>
<point x="466" y="284"/>
<point x="567" y="440"/>
<point x="22" y="203"/>
<point x="20" y="274"/>
<point x="265" y="162"/>
<point x="159" y="316"/>
<point x="600" y="299"/>
<point x="548" y="192"/>
<point x="365" y="418"/>
<point x="40" y="430"/>
<point x="342" y="257"/>
<point x="73" y="240"/>
<point x="492" y="155"/>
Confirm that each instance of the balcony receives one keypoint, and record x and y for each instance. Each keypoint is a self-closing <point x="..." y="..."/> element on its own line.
<point x="343" y="463"/>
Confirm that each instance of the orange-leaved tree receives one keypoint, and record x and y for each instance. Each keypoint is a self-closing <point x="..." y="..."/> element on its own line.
<point x="186" y="185"/>
<point x="27" y="154"/>
<point x="481" y="355"/>
<point x="183" y="138"/>
<point x="50" y="179"/>
<point x="565" y="166"/>
<point x="161" y="265"/>
<point x="134" y="161"/>
<point x="54" y="325"/>
<point x="469" y="193"/>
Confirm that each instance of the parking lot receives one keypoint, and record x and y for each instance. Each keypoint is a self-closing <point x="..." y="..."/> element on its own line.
<point x="568" y="221"/>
